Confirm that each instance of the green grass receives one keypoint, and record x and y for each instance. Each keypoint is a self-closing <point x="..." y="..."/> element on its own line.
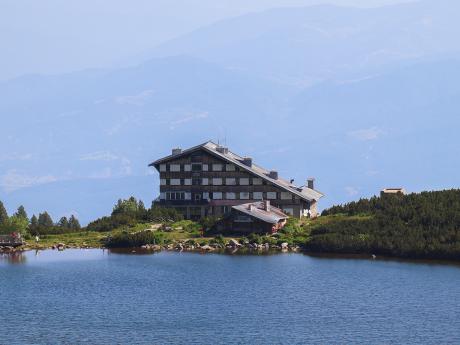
<point x="295" y="232"/>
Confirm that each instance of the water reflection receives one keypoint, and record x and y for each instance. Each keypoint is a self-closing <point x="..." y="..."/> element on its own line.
<point x="13" y="258"/>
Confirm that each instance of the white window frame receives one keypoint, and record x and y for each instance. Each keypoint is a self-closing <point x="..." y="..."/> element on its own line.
<point x="244" y="195"/>
<point x="244" y="181"/>
<point x="258" y="195"/>
<point x="174" y="167"/>
<point x="217" y="195"/>
<point x="230" y="196"/>
<point x="176" y="194"/>
<point x="230" y="167"/>
<point x="187" y="182"/>
<point x="206" y="195"/>
<point x="286" y="196"/>
<point x="271" y="195"/>
<point x="256" y="181"/>
<point x="162" y="167"/>
<point x="230" y="181"/>
<point x="204" y="181"/>
<point x="217" y="167"/>
<point x="162" y="182"/>
<point x="174" y="182"/>
<point x="188" y="196"/>
<point x="217" y="181"/>
<point x="187" y="167"/>
<point x="205" y="167"/>
<point x="162" y="196"/>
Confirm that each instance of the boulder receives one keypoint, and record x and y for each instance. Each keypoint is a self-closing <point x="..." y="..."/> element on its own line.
<point x="207" y="248"/>
<point x="234" y="243"/>
<point x="284" y="245"/>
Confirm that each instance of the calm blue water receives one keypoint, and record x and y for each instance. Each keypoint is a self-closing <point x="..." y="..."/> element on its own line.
<point x="96" y="297"/>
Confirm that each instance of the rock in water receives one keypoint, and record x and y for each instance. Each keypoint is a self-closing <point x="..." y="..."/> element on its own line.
<point x="234" y="243"/>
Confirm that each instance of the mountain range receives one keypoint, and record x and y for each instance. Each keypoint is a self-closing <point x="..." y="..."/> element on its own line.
<point x="359" y="98"/>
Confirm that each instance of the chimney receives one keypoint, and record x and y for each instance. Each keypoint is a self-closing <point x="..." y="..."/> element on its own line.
<point x="273" y="174"/>
<point x="311" y="183"/>
<point x="247" y="161"/>
<point x="176" y="151"/>
<point x="222" y="149"/>
<point x="251" y="207"/>
<point x="267" y="205"/>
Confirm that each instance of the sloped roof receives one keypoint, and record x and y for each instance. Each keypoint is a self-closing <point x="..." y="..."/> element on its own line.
<point x="303" y="192"/>
<point x="273" y="216"/>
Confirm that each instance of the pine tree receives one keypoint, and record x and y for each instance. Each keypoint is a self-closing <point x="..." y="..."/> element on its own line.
<point x="63" y="223"/>
<point x="21" y="213"/>
<point x="74" y="224"/>
<point x="3" y="214"/>
<point x="33" y="222"/>
<point x="45" y="220"/>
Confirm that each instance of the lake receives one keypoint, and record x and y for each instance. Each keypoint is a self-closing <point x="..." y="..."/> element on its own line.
<point x="100" y="297"/>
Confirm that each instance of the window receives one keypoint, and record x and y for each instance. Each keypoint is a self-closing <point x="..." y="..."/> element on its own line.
<point x="230" y="181"/>
<point x="271" y="195"/>
<point x="217" y="181"/>
<point x="196" y="166"/>
<point x="217" y="167"/>
<point x="258" y="195"/>
<point x="244" y="181"/>
<point x="229" y="167"/>
<point x="175" y="182"/>
<point x="256" y="181"/>
<point x="162" y="167"/>
<point x="230" y="196"/>
<point x="187" y="182"/>
<point x="204" y="167"/>
<point x="162" y="182"/>
<point x="244" y="195"/>
<point x="286" y="196"/>
<point x="174" y="167"/>
<point x="196" y="181"/>
<point x="187" y="167"/>
<point x="206" y="195"/>
<point x="204" y="181"/>
<point x="175" y="196"/>
<point x="217" y="195"/>
<point x="162" y="196"/>
<point x="197" y="197"/>
<point x="188" y="196"/>
<point x="288" y="210"/>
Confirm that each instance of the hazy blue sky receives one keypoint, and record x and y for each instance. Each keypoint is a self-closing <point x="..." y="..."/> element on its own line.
<point x="51" y="36"/>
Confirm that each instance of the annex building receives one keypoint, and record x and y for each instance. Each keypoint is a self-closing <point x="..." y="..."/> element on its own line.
<point x="209" y="179"/>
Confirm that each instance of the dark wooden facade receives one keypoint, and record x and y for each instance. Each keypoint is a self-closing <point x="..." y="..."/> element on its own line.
<point x="188" y="183"/>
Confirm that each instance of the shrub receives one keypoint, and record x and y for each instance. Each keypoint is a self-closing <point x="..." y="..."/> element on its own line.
<point x="126" y="240"/>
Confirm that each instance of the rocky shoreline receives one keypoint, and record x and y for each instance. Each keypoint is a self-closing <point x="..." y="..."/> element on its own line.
<point x="178" y="246"/>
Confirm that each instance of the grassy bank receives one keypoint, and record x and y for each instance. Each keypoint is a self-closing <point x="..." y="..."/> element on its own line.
<point x="416" y="226"/>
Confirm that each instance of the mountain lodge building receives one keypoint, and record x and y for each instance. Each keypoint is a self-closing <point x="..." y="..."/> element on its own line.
<point x="208" y="179"/>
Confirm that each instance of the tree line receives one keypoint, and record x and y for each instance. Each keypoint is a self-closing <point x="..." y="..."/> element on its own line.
<point x="423" y="225"/>
<point x="130" y="212"/>
<point x="20" y="223"/>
